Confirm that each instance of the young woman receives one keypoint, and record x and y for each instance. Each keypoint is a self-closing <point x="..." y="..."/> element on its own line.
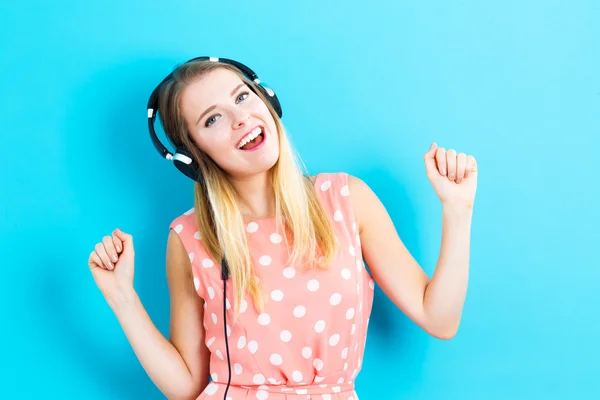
<point x="269" y="292"/>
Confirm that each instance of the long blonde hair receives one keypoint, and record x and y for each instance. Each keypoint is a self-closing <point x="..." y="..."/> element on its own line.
<point x="299" y="214"/>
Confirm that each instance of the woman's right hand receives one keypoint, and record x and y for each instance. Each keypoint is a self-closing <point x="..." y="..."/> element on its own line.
<point x="112" y="265"/>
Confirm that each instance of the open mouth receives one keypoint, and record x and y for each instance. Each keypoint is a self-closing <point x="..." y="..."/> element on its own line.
<point x="253" y="140"/>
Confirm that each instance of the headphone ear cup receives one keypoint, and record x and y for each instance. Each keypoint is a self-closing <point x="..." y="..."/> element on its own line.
<point x="270" y="94"/>
<point x="185" y="163"/>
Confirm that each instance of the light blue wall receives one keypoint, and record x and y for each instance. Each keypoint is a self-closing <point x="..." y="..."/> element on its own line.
<point x="515" y="83"/>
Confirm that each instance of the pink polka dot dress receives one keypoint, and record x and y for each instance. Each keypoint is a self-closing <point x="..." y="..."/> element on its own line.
<point x="309" y="341"/>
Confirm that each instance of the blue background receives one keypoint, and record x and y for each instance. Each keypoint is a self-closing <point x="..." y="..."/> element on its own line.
<point x="514" y="83"/>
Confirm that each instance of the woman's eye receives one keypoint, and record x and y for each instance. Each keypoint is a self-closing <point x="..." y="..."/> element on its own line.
<point x="242" y="97"/>
<point x="211" y="120"/>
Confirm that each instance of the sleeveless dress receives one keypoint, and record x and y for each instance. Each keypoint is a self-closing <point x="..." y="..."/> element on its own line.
<point x="309" y="341"/>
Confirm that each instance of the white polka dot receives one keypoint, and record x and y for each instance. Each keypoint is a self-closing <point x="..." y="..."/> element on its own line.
<point x="345" y="353"/>
<point x="272" y="380"/>
<point x="325" y="185"/>
<point x="299" y="311"/>
<point x="243" y="306"/>
<point x="319" y="379"/>
<point x="352" y="250"/>
<point x="238" y="369"/>
<point x="301" y="391"/>
<point x="227" y="304"/>
<point x="252" y="227"/>
<point x="196" y="283"/>
<point x="313" y="285"/>
<point x="345" y="191"/>
<point x="346" y="274"/>
<point x="275" y="238"/>
<point x="264" y="319"/>
<point x="253" y="346"/>
<point x="286" y="336"/>
<point x="214" y="318"/>
<point x="259" y="379"/>
<point x="336" y="389"/>
<point x="179" y="228"/>
<point x="211" y="292"/>
<point x="320" y="326"/>
<point x="214" y="377"/>
<point x="297" y="376"/>
<point x="345" y="366"/>
<point x="334" y="340"/>
<point x="207" y="263"/>
<point x="197" y="235"/>
<point x="356" y="347"/>
<point x="341" y="380"/>
<point x="358" y="240"/>
<point x="191" y="255"/>
<point x="219" y="354"/>
<point x="263" y="395"/>
<point x="306" y="352"/>
<point x="351" y="398"/>
<point x="338" y="216"/>
<point x="372" y="284"/>
<point x="358" y="265"/>
<point x="289" y="272"/>
<point x="353" y="330"/>
<point x="350" y="314"/>
<point x="354" y="227"/>
<point x="241" y="342"/>
<point x="335" y="299"/>
<point x="360" y="307"/>
<point x="210" y="341"/>
<point x="318" y="364"/>
<point x="211" y="389"/>
<point x="189" y="212"/>
<point x="277" y="295"/>
<point x="276" y="359"/>
<point x="326" y="396"/>
<point x="264" y="260"/>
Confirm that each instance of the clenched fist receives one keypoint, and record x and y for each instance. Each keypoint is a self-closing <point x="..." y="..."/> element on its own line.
<point x="112" y="265"/>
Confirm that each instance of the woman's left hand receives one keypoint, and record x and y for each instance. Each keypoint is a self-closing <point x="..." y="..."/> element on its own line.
<point x="453" y="176"/>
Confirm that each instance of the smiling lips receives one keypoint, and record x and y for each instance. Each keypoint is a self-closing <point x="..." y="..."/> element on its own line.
<point x="252" y="139"/>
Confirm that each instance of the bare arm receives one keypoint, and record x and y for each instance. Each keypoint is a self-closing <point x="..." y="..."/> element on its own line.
<point x="433" y="304"/>
<point x="179" y="367"/>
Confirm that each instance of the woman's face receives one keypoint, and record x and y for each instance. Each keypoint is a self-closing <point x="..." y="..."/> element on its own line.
<point x="230" y="123"/>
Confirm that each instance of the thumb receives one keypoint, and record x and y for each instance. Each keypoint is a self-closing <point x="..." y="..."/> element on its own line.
<point x="471" y="167"/>
<point x="429" y="157"/>
<point x="127" y="240"/>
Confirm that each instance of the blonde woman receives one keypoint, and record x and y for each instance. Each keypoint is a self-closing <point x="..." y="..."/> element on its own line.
<point x="270" y="297"/>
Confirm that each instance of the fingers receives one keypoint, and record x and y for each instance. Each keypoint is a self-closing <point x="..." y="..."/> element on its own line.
<point x="126" y="239"/>
<point x="471" y="165"/>
<point x="104" y="258"/>
<point x="109" y="246"/>
<point x="455" y="166"/>
<point x="118" y="243"/>
<point x="461" y="166"/>
<point x="440" y="157"/>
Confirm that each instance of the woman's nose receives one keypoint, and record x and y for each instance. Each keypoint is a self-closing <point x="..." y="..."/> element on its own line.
<point x="240" y="118"/>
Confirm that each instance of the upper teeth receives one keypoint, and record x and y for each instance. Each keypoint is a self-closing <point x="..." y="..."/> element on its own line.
<point x="255" y="132"/>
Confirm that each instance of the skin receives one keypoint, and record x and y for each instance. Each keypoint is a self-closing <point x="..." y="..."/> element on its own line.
<point x="179" y="366"/>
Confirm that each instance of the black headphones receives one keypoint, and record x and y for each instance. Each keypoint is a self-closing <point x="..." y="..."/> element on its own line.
<point x="184" y="162"/>
<point x="182" y="157"/>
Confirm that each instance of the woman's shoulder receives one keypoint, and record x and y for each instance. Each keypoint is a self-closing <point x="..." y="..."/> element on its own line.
<point x="185" y="224"/>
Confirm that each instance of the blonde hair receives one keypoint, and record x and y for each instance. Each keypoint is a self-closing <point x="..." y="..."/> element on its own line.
<point x="299" y="214"/>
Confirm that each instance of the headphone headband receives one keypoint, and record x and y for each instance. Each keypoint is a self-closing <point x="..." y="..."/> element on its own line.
<point x="182" y="158"/>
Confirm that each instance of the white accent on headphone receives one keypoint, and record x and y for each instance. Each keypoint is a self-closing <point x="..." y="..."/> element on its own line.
<point x="150" y="112"/>
<point x="213" y="59"/>
<point x="184" y="159"/>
